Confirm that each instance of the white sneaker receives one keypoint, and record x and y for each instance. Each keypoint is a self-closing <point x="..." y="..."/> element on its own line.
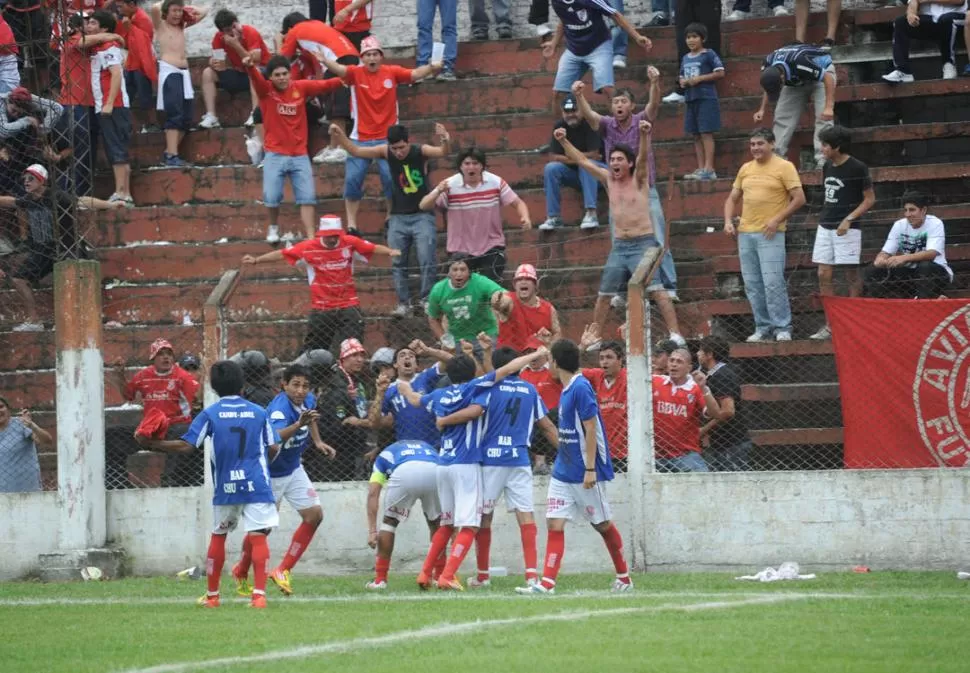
<point x="534" y="590"/>
<point x="619" y="586"/>
<point x="400" y="311"/>
<point x="673" y="97"/>
<point x="618" y="301"/>
<point x="323" y="155"/>
<point x="209" y="121"/>
<point x="273" y="234"/>
<point x="757" y="336"/>
<point x="949" y="71"/>
<point x="543" y="29"/>
<point x="619" y="62"/>
<point x="589" y="221"/>
<point x="898" y="77"/>
<point x="375" y="586"/>
<point x="338" y="155"/>
<point x="474" y="583"/>
<point x="780" y="11"/>
<point x="551" y="224"/>
<point x="782" y="336"/>
<point x="677" y="339"/>
<point x="29" y="327"/>
<point x="823" y="334"/>
<point x="963" y="576"/>
<point x="737" y="15"/>
<point x="250" y="122"/>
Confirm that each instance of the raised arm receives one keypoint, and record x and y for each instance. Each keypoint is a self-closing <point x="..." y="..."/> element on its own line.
<point x="355" y="150"/>
<point x="420" y="348"/>
<point x="273" y="256"/>
<point x="642" y="40"/>
<point x="431" y="198"/>
<point x="443" y="148"/>
<point x="642" y="171"/>
<point x="469" y="413"/>
<point x="418" y="74"/>
<point x="655" y="97"/>
<point x="413" y="398"/>
<point x="592" y="117"/>
<point x="519" y="363"/>
<point x="374" y="415"/>
<point x="337" y="69"/>
<point x="579" y="158"/>
<point x="156" y="14"/>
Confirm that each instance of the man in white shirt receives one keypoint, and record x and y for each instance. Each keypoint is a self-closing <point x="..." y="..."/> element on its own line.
<point x="912" y="262"/>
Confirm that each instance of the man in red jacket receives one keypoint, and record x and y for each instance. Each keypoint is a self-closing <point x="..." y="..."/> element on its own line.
<point x="141" y="67"/>
<point x="528" y="314"/>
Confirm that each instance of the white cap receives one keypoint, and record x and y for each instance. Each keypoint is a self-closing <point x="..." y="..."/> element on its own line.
<point x="330" y="225"/>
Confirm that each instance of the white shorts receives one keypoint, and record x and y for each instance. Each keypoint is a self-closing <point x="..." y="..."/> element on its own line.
<point x="413" y="481"/>
<point x="830" y="248"/>
<point x="297" y="489"/>
<point x="565" y="499"/>
<point x="255" y="516"/>
<point x="514" y="482"/>
<point x="460" y="494"/>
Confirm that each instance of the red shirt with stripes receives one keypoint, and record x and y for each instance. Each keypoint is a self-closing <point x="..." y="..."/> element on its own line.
<point x="170" y="393"/>
<point x="331" y="270"/>
<point x="677" y="415"/>
<point x="475" y="213"/>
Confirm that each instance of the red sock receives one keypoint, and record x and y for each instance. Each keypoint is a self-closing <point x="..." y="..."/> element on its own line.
<point x="483" y="545"/>
<point x="555" y="548"/>
<point x="301" y="540"/>
<point x="260" y="559"/>
<point x="246" y="558"/>
<point x="439" y="564"/>
<point x="528" y="533"/>
<point x="458" y="551"/>
<point x="214" y="560"/>
<point x="439" y="542"/>
<point x="614" y="543"/>
<point x="382" y="566"/>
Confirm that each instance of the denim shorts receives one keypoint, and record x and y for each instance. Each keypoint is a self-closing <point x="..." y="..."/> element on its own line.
<point x="702" y="116"/>
<point x="116" y="134"/>
<point x="275" y="169"/>
<point x="622" y="262"/>
<point x="573" y="67"/>
<point x="355" y="170"/>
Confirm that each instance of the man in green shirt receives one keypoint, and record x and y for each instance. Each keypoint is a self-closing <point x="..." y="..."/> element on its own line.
<point x="461" y="304"/>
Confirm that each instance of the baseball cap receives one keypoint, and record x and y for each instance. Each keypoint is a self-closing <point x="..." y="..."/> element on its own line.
<point x="370" y="43"/>
<point x="665" y="346"/>
<point x="189" y="362"/>
<point x="772" y="81"/>
<point x="350" y="347"/>
<point x="20" y="95"/>
<point x="330" y="225"/>
<point x="38" y="172"/>
<point x="526" y="271"/>
<point x="159" y="345"/>
<point x="382" y="356"/>
<point x="569" y="103"/>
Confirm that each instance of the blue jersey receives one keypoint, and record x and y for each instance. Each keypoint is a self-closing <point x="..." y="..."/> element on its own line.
<point x="460" y="444"/>
<point x="282" y="414"/>
<point x="399" y="453"/>
<point x="801" y="63"/>
<point x="413" y="422"/>
<point x="583" y="23"/>
<point x="512" y="408"/>
<point x="704" y="63"/>
<point x="241" y="436"/>
<point x="578" y="404"/>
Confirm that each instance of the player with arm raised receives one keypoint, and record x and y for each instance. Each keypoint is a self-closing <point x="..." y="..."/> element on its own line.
<point x="579" y="474"/>
<point x="243" y="444"/>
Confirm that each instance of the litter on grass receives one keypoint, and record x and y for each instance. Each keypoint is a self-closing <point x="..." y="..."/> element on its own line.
<point x="786" y="571"/>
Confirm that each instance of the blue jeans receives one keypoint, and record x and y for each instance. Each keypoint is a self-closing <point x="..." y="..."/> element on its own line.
<point x="730" y="458"/>
<point x="80" y="124"/>
<point x="763" y="272"/>
<point x="356" y="169"/>
<point x="479" y="17"/>
<point x="449" y="30"/>
<point x="666" y="272"/>
<point x="557" y="174"/>
<point x="418" y="229"/>
<point x="275" y="169"/>
<point x="572" y="67"/>
<point x="691" y="462"/>
<point x="625" y="256"/>
<point x="620" y="38"/>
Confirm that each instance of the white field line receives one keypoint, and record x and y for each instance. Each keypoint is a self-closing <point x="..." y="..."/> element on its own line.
<point x="443" y="630"/>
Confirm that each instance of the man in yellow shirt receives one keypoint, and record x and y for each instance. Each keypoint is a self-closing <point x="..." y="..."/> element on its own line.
<point x="770" y="192"/>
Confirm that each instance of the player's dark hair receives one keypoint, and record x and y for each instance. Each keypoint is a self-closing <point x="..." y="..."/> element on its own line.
<point x="75" y="22"/>
<point x="461" y="368"/>
<point x="698" y="29"/>
<point x="625" y="93"/>
<point x="400" y="350"/>
<point x="837" y="137"/>
<point x="719" y="348"/>
<point x="291" y="20"/>
<point x="459" y="258"/>
<point x="565" y="354"/>
<point x="626" y="151"/>
<point x="169" y="3"/>
<point x="764" y="133"/>
<point x="224" y="19"/>
<point x="473" y="153"/>
<point x="295" y="370"/>
<point x="106" y="20"/>
<point x="397" y="134"/>
<point x="4" y="402"/>
<point x="614" y="346"/>
<point x="275" y="62"/>
<point x="918" y="199"/>
<point x="502" y="356"/>
<point x="227" y="378"/>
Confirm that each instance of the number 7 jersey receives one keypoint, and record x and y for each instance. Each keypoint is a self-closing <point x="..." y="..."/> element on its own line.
<point x="512" y="408"/>
<point x="241" y="436"/>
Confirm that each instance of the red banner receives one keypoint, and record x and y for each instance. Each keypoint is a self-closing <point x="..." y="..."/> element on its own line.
<point x="903" y="375"/>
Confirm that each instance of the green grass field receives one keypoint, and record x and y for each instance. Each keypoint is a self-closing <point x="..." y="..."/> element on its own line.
<point x="875" y="623"/>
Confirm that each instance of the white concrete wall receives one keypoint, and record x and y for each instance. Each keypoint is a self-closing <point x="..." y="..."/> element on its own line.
<point x="28" y="527"/>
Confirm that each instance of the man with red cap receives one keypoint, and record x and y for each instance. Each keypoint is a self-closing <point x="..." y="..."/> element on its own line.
<point x="50" y="231"/>
<point x="329" y="259"/>
<point x="527" y="313"/>
<point x="373" y="91"/>
<point x="343" y="413"/>
<point x="24" y="119"/>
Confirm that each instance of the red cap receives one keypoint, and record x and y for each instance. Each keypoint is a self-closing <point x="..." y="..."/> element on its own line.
<point x="533" y="344"/>
<point x="526" y="271"/>
<point x="158" y="345"/>
<point x="20" y="95"/>
<point x="370" y="43"/>
<point x="350" y="347"/>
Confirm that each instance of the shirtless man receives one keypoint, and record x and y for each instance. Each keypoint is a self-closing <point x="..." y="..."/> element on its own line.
<point x="628" y="187"/>
<point x="175" y="95"/>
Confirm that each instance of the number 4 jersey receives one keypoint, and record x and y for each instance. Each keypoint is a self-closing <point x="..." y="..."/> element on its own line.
<point x="241" y="436"/>
<point x="512" y="408"/>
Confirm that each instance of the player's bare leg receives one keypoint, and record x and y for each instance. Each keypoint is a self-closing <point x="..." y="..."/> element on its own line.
<point x="667" y="310"/>
<point x="312" y="518"/>
<point x="614" y="545"/>
<point x="307" y="216"/>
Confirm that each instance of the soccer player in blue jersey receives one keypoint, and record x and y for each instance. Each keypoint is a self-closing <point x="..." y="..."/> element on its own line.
<point x="579" y="474"/>
<point x="293" y="414"/>
<point x="459" y="473"/>
<point x="510" y="410"/>
<point x="243" y="444"/>
<point x="408" y="470"/>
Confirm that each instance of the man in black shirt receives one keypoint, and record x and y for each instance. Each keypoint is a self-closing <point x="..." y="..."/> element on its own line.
<point x="343" y="417"/>
<point x="848" y="196"/>
<point x="729" y="443"/>
<point x="51" y="235"/>
<point x="562" y="171"/>
<point x="408" y="224"/>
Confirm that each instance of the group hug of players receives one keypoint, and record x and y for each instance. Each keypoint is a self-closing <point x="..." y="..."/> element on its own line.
<point x="485" y="422"/>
